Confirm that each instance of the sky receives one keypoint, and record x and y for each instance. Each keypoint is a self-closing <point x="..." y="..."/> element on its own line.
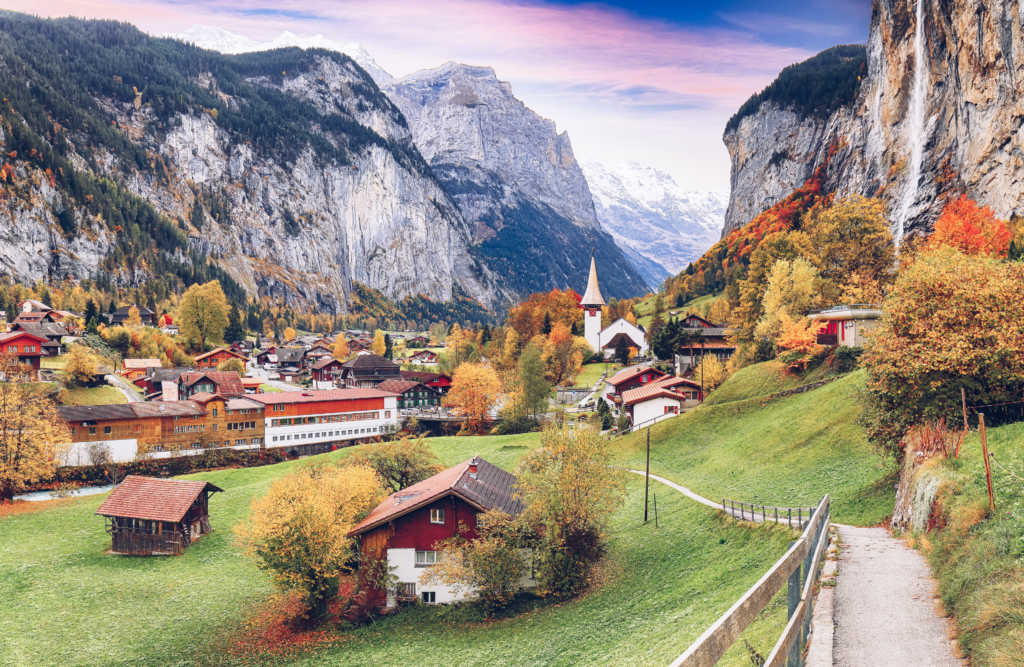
<point x="653" y="82"/>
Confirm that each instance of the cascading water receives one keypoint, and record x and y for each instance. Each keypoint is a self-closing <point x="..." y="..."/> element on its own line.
<point x="916" y="136"/>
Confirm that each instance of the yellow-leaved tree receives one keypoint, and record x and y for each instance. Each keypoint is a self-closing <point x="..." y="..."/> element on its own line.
<point x="81" y="363"/>
<point x="379" y="345"/>
<point x="203" y="313"/>
<point x="289" y="334"/>
<point x="711" y="373"/>
<point x="475" y="391"/>
<point x="235" y="365"/>
<point x="340" y="349"/>
<point x="570" y="490"/>
<point x="298" y="532"/>
<point x="791" y="290"/>
<point x="33" y="437"/>
<point x="719" y="311"/>
<point x="134" y="318"/>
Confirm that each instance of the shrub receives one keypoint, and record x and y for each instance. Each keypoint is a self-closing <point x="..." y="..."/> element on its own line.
<point x="844" y="359"/>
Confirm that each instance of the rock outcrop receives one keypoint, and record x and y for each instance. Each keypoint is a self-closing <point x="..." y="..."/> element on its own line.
<point x="660" y="226"/>
<point x="968" y="123"/>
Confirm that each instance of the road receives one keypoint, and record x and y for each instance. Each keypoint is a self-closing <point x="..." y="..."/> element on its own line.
<point x="276" y="384"/>
<point x="119" y="383"/>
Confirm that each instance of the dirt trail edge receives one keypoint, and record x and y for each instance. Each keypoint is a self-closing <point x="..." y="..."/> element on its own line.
<point x="886" y="611"/>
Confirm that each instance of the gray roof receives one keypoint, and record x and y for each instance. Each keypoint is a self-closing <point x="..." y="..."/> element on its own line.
<point x="290" y="354"/>
<point x="493" y="488"/>
<point x="169" y="374"/>
<point x="44" y="329"/>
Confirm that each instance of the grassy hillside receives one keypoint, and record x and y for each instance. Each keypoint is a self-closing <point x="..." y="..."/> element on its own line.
<point x="646" y="308"/>
<point x="786" y="452"/>
<point x="103" y="395"/>
<point x="68" y="603"/>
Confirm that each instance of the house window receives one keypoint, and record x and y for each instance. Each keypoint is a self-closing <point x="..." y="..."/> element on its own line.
<point x="215" y="412"/>
<point x="240" y="443"/>
<point x="274" y="423"/>
<point x="256" y="441"/>
<point x="215" y="427"/>
<point x="279" y="408"/>
<point x="436" y="516"/>
<point x="106" y="430"/>
<point x="176" y="429"/>
<point x="138" y="428"/>
<point x="426" y="557"/>
<point x="429" y="596"/>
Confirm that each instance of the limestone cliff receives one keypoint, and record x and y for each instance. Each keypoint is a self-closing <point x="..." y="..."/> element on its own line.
<point x="939" y="112"/>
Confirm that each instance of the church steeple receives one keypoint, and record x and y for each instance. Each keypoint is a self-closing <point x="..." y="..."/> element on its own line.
<point x="592" y="297"/>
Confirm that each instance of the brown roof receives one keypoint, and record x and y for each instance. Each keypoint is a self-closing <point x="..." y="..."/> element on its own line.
<point x="220" y="349"/>
<point x="370" y="361"/>
<point x="423" y="376"/>
<point x="228" y="382"/>
<point x="670" y="381"/>
<point x="16" y="334"/>
<point x="493" y="488"/>
<point x="647" y="392"/>
<point x="142" y="363"/>
<point x="42" y="329"/>
<point x="83" y="413"/>
<point x="314" y="396"/>
<point x="323" y="363"/>
<point x="168" y="409"/>
<point x="401" y="386"/>
<point x="631" y="372"/>
<point x="614" y="342"/>
<point x="153" y="499"/>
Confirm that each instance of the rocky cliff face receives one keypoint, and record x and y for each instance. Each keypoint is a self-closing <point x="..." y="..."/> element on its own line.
<point x="660" y="226"/>
<point x="964" y="120"/>
<point x="515" y="179"/>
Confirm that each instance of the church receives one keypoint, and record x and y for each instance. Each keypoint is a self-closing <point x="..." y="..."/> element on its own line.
<point x="604" y="340"/>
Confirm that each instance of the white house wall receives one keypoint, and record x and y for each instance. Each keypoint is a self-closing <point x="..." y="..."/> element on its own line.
<point x="622" y="326"/>
<point x="652" y="409"/>
<point x="120" y="451"/>
<point x="407" y="572"/>
<point x="306" y="434"/>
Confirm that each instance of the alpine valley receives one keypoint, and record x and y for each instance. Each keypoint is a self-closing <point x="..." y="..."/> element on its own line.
<point x="301" y="174"/>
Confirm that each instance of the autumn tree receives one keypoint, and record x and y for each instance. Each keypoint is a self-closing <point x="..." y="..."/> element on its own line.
<point x="341" y="351"/>
<point x="972" y="229"/>
<point x="379" y="344"/>
<point x="852" y="239"/>
<point x="203" y="313"/>
<point x="134" y="318"/>
<point x="570" y="490"/>
<point x="474" y="393"/>
<point x="791" y="291"/>
<point x="235" y="365"/>
<point x="489" y="564"/>
<point x="81" y="364"/>
<point x="719" y="311"/>
<point x="563" y="355"/>
<point x="775" y="246"/>
<point x="33" y="437"/>
<point x="399" y="463"/>
<point x="289" y="334"/>
<point x="298" y="532"/>
<point x="710" y="373"/>
<point x="951" y="321"/>
<point x="528" y="318"/>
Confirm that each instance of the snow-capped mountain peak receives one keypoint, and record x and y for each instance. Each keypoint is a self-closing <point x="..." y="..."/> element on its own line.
<point x="649" y="214"/>
<point x="217" y="39"/>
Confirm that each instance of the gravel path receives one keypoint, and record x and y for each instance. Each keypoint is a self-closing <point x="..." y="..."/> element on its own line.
<point x="886" y="612"/>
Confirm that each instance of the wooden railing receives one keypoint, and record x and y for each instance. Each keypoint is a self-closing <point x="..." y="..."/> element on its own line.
<point x="804" y="556"/>
<point x="768" y="513"/>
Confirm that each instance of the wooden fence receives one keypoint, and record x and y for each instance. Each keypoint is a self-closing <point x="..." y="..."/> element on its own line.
<point x="804" y="556"/>
<point x="768" y="513"/>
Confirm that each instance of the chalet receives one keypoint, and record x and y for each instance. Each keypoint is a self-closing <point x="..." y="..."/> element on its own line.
<point x="294" y="375"/>
<point x="422" y="358"/>
<point x="216" y="357"/>
<point x="405" y="528"/>
<point x="33" y="306"/>
<point x="264" y="354"/>
<point x="412" y="394"/>
<point x="632" y="377"/>
<point x="660" y="399"/>
<point x="121" y="315"/>
<point x="147" y="516"/>
<point x="314" y="355"/>
<point x="436" y="381"/>
<point x="359" y="345"/>
<point x="135" y="369"/>
<point x="225" y="383"/>
<point x="368" y="370"/>
<point x="252" y="385"/>
<point x="29" y="318"/>
<point x="714" y="341"/>
<point x="846" y="325"/>
<point x="170" y="329"/>
<point x="290" y="356"/>
<point x="599" y="337"/>
<point x="158" y="429"/>
<point x="162" y="383"/>
<point x="28" y="347"/>
<point x="313" y="422"/>
<point x="325" y="373"/>
<point x="417" y="341"/>
<point x="53" y="333"/>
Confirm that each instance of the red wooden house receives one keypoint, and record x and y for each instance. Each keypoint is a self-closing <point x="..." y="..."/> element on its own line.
<point x="28" y="347"/>
<point x="325" y="373"/>
<point x="405" y="528"/>
<point x="437" y="381"/>
<point x="214" y="358"/>
<point x="633" y="377"/>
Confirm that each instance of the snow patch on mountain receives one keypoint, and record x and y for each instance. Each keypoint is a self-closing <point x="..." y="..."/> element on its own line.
<point x="646" y="211"/>
<point x="217" y="39"/>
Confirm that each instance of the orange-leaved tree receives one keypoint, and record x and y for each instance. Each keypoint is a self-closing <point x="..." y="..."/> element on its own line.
<point x="33" y="437"/>
<point x="475" y="391"/>
<point x="298" y="532"/>
<point x="951" y="321"/>
<point x="970" y="228"/>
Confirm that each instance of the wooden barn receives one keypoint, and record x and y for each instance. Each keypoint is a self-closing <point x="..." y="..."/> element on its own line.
<point x="147" y="516"/>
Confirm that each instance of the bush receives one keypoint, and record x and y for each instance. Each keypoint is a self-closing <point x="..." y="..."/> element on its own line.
<point x="845" y="359"/>
<point x="516" y="424"/>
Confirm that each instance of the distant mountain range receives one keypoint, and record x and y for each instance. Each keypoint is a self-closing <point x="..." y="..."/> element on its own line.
<point x="660" y="226"/>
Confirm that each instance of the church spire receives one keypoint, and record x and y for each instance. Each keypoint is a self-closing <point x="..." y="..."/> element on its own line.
<point x="592" y="297"/>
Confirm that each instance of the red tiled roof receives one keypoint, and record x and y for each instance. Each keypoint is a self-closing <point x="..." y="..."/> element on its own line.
<point x="670" y="381"/>
<point x="323" y="363"/>
<point x="629" y="373"/>
<point x="205" y="397"/>
<point x="399" y="386"/>
<point x="153" y="499"/>
<point x="142" y="363"/>
<point x="493" y="488"/>
<point x="647" y="392"/>
<point x="315" y="396"/>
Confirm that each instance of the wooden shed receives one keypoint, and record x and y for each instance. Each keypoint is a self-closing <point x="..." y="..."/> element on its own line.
<point x="147" y="516"/>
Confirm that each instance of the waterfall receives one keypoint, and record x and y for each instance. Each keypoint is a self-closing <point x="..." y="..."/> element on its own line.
<point x="917" y="107"/>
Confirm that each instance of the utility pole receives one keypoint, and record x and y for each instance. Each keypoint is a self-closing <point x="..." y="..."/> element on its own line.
<point x="647" y="476"/>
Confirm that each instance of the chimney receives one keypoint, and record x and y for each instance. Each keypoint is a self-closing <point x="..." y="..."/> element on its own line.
<point x="473" y="463"/>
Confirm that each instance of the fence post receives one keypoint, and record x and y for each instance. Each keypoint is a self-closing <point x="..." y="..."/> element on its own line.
<point x="764" y="516"/>
<point x="790" y="519"/>
<point x="793" y="599"/>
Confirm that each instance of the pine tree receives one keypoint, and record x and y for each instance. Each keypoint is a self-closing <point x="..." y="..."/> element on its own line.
<point x="234" y="332"/>
<point x="546" y="327"/>
<point x="622" y="350"/>
<point x="389" y="348"/>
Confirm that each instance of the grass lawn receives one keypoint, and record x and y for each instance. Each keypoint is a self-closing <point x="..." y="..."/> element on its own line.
<point x="267" y="389"/>
<point x="646" y="308"/>
<point x="53" y="363"/>
<point x="591" y="373"/>
<point x="102" y="395"/>
<point x="68" y="603"/>
<point x="786" y="452"/>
